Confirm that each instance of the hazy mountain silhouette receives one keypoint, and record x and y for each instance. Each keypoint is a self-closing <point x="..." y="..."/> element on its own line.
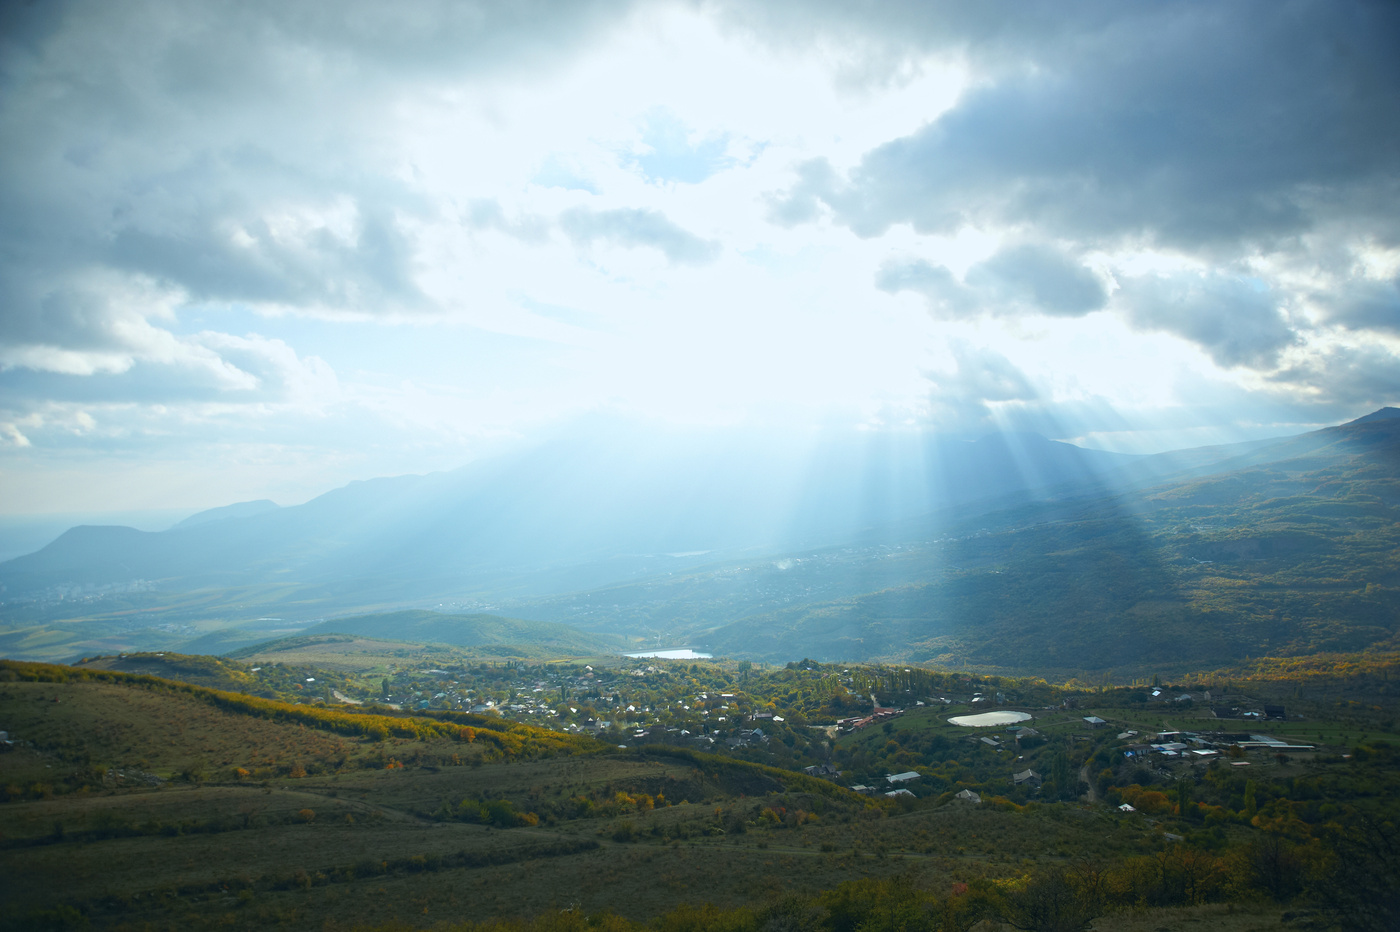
<point x="599" y="498"/>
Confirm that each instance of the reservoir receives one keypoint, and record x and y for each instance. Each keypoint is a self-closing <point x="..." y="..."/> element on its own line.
<point x="989" y="719"/>
<point x="679" y="653"/>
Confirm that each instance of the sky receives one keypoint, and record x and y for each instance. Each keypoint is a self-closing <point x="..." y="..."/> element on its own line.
<point x="258" y="250"/>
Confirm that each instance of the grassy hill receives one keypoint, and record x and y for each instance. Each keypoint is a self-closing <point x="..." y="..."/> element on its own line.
<point x="130" y="801"/>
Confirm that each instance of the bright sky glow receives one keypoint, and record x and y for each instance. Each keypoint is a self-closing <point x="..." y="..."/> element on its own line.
<point x="258" y="250"/>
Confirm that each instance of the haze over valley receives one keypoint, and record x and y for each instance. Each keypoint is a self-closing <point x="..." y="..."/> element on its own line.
<point x="1008" y="553"/>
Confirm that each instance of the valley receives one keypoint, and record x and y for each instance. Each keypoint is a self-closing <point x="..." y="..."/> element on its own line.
<point x="676" y="793"/>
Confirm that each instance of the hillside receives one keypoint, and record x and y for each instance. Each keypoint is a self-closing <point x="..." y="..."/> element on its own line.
<point x="420" y="627"/>
<point x="1285" y="548"/>
<point x="136" y="802"/>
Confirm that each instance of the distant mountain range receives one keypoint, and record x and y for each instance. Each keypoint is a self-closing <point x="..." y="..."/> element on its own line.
<point x="991" y="552"/>
<point x="588" y="510"/>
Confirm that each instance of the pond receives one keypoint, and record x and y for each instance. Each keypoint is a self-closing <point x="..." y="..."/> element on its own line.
<point x="679" y="653"/>
<point x="990" y="719"/>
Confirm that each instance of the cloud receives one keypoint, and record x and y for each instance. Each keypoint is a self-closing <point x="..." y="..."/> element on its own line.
<point x="1354" y="379"/>
<point x="1235" y="320"/>
<point x="487" y="214"/>
<point x="1364" y="304"/>
<point x="947" y="297"/>
<point x="1191" y="126"/>
<point x="980" y="380"/>
<point x="802" y="203"/>
<point x="93" y="321"/>
<point x="200" y="368"/>
<point x="1022" y="278"/>
<point x="301" y="257"/>
<point x="231" y="154"/>
<point x="634" y="228"/>
<point x="1040" y="277"/>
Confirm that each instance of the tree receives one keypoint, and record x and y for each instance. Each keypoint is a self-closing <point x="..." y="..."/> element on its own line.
<point x="1183" y="798"/>
<point x="1050" y="901"/>
<point x="1059" y="772"/>
<point x="1362" y="889"/>
<point x="1275" y="865"/>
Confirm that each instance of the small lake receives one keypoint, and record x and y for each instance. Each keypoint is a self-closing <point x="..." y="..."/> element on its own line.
<point x="989" y="719"/>
<point x="680" y="653"/>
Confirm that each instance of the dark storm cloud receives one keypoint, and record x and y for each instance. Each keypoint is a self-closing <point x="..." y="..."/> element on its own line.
<point x="1348" y="378"/>
<point x="633" y="228"/>
<point x="1216" y="127"/>
<point x="1368" y="304"/>
<point x="1236" y="321"/>
<point x="1021" y="278"/>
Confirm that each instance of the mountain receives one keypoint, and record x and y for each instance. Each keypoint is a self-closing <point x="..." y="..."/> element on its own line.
<point x="237" y="510"/>
<point x="1289" y="548"/>
<point x="583" y="510"/>
<point x="1008" y="552"/>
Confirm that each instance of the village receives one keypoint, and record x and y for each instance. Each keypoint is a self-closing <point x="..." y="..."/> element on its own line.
<point x="787" y="717"/>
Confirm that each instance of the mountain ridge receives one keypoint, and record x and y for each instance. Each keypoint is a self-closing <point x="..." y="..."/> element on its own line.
<point x="1103" y="558"/>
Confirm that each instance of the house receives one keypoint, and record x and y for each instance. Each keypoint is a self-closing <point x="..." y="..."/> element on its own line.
<point x="1093" y="721"/>
<point x="968" y="796"/>
<point x="1026" y="778"/>
<point x="903" y="777"/>
<point x="821" y="770"/>
<point x="990" y="742"/>
<point x="1126" y="808"/>
<point x="900" y="793"/>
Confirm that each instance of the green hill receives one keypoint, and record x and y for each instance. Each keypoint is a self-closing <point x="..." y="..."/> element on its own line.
<point x="421" y="627"/>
